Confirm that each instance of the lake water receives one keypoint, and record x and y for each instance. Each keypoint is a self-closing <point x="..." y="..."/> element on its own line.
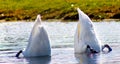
<point x="14" y="37"/>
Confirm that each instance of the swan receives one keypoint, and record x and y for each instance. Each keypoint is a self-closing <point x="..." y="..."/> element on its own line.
<point x="38" y="43"/>
<point x="85" y="36"/>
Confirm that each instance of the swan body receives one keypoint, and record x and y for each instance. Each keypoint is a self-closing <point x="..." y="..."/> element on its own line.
<point x="85" y="34"/>
<point x="38" y="44"/>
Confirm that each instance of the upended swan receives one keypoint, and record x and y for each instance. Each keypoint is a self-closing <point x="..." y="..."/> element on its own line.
<point x="38" y="44"/>
<point x="85" y="36"/>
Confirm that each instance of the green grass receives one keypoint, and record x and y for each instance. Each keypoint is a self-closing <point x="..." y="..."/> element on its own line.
<point x="58" y="9"/>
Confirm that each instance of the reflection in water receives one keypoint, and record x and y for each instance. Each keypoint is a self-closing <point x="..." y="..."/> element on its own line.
<point x="86" y="58"/>
<point x="39" y="60"/>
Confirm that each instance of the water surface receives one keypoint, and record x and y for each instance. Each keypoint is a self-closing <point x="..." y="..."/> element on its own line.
<point x="14" y="37"/>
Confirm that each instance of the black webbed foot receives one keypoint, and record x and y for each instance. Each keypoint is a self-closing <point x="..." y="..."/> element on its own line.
<point x="107" y="46"/>
<point x="17" y="55"/>
<point x="91" y="50"/>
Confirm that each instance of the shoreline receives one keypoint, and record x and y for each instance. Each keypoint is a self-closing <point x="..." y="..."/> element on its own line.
<point x="72" y="15"/>
<point x="50" y="20"/>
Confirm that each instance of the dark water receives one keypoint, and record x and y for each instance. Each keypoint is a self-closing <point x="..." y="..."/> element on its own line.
<point x="14" y="37"/>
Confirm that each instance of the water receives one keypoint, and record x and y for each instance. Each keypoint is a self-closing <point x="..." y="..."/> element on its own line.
<point x="14" y="37"/>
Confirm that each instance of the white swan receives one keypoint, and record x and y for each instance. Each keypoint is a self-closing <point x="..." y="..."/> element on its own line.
<point x="38" y="42"/>
<point x="85" y="34"/>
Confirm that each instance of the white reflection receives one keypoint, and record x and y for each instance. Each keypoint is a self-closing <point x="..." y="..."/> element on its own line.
<point x="86" y="58"/>
<point x="39" y="60"/>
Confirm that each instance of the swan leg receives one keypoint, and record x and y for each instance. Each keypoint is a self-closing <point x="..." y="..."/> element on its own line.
<point x="17" y="55"/>
<point x="91" y="50"/>
<point x="107" y="46"/>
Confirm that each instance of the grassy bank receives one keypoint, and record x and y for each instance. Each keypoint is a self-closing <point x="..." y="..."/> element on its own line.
<point x="58" y="9"/>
